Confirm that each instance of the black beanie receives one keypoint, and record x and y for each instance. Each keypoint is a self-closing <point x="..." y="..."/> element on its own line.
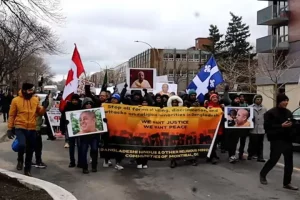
<point x="27" y="86"/>
<point x="75" y="97"/>
<point x="280" y="98"/>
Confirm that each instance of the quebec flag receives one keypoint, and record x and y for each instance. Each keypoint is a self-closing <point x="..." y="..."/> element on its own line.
<point x="208" y="78"/>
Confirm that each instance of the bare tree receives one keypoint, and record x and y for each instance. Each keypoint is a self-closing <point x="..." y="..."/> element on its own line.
<point x="25" y="11"/>
<point x="273" y="69"/>
<point x="239" y="72"/>
<point x="179" y="72"/>
<point x="33" y="69"/>
<point x="18" y="46"/>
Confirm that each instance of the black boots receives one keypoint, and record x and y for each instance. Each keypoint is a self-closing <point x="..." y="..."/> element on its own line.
<point x="20" y="166"/>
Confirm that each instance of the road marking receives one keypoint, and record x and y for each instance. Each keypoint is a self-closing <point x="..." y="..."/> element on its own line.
<point x="281" y="165"/>
<point x="295" y="168"/>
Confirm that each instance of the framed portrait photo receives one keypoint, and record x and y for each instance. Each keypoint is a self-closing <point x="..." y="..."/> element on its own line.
<point x="86" y="122"/>
<point x="166" y="89"/>
<point x="239" y="117"/>
<point x="141" y="78"/>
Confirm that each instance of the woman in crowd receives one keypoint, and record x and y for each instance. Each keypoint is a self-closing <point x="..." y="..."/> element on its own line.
<point x="174" y="101"/>
<point x="115" y="99"/>
<point x="74" y="104"/>
<point x="213" y="102"/>
<point x="87" y="141"/>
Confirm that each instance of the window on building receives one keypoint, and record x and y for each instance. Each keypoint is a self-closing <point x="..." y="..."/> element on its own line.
<point x="171" y="55"/>
<point x="191" y="56"/>
<point x="183" y="56"/>
<point x="196" y="56"/>
<point x="166" y="55"/>
<point x="170" y="71"/>
<point x="178" y="56"/>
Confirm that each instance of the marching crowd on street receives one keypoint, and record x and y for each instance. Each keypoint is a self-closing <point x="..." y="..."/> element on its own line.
<point x="26" y="111"/>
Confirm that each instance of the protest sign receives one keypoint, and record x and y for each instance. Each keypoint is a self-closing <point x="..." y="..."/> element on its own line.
<point x="81" y="85"/>
<point x="86" y="122"/>
<point x="160" y="133"/>
<point x="54" y="118"/>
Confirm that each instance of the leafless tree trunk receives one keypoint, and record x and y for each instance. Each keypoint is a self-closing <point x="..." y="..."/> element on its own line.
<point x="273" y="69"/>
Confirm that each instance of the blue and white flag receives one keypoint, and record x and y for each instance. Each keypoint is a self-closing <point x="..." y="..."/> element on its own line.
<point x="208" y="78"/>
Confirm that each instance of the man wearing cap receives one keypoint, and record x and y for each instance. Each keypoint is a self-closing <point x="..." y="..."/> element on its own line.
<point x="278" y="123"/>
<point x="22" y="117"/>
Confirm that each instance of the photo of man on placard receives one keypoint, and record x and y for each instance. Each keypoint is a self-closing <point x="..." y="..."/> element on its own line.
<point x="237" y="117"/>
<point x="140" y="78"/>
<point x="141" y="82"/>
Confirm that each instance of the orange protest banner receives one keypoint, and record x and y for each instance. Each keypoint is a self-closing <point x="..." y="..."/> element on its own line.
<point x="137" y="127"/>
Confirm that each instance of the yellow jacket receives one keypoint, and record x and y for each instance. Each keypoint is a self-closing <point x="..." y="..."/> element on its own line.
<point x="22" y="112"/>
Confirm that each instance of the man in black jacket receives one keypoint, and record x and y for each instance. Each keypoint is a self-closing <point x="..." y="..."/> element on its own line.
<point x="278" y="126"/>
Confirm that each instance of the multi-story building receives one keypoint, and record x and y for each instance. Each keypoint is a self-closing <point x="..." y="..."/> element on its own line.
<point x="282" y="42"/>
<point x="98" y="77"/>
<point x="181" y="65"/>
<point x="120" y="72"/>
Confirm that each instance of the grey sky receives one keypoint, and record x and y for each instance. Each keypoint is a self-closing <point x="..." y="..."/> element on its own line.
<point x="104" y="31"/>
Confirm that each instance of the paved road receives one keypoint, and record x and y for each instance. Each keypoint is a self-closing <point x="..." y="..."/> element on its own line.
<point x="206" y="181"/>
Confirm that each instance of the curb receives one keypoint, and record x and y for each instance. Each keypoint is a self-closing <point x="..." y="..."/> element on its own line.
<point x="56" y="192"/>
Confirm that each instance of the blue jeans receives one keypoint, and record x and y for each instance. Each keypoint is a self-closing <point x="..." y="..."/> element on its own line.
<point x="86" y="142"/>
<point x="27" y="141"/>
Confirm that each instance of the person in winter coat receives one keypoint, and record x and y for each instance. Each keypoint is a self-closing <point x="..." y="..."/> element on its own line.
<point x="87" y="141"/>
<point x="49" y="131"/>
<point x="22" y="117"/>
<point x="174" y="101"/>
<point x="256" y="143"/>
<point x="278" y="124"/>
<point x="5" y="102"/>
<point x="115" y="99"/>
<point x="214" y="103"/>
<point x="243" y="101"/>
<point x="74" y="104"/>
<point x="39" y="143"/>
<point x="192" y="100"/>
<point x="158" y="101"/>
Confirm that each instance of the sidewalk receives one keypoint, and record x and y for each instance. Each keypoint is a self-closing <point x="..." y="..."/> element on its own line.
<point x="12" y="189"/>
<point x="3" y="129"/>
<point x="204" y="182"/>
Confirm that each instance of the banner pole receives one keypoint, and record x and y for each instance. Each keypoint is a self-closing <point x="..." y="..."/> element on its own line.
<point x="214" y="139"/>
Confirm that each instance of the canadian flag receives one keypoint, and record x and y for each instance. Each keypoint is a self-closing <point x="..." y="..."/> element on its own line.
<point x="75" y="72"/>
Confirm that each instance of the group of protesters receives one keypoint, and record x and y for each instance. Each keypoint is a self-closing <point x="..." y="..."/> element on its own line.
<point x="25" y="112"/>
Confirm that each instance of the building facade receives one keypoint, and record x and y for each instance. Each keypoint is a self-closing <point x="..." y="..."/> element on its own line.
<point x="282" y="42"/>
<point x="120" y="72"/>
<point x="181" y="65"/>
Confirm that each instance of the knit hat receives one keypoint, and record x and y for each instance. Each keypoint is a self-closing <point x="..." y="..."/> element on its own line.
<point x="280" y="98"/>
<point x="256" y="97"/>
<point x="27" y="86"/>
<point x="213" y="95"/>
<point x="192" y="91"/>
<point x="75" y="97"/>
<point x="87" y="100"/>
<point x="116" y="96"/>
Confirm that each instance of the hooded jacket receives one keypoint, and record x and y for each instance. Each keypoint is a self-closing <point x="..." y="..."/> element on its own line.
<point x="258" y="112"/>
<point x="169" y="103"/>
<point x="22" y="113"/>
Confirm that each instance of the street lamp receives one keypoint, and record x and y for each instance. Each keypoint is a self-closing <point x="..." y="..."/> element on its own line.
<point x="151" y="48"/>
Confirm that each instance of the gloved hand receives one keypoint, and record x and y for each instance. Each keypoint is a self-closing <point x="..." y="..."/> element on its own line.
<point x="125" y="86"/>
<point x="104" y="120"/>
<point x="67" y="122"/>
<point x="10" y="134"/>
<point x="145" y="90"/>
<point x="161" y="106"/>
